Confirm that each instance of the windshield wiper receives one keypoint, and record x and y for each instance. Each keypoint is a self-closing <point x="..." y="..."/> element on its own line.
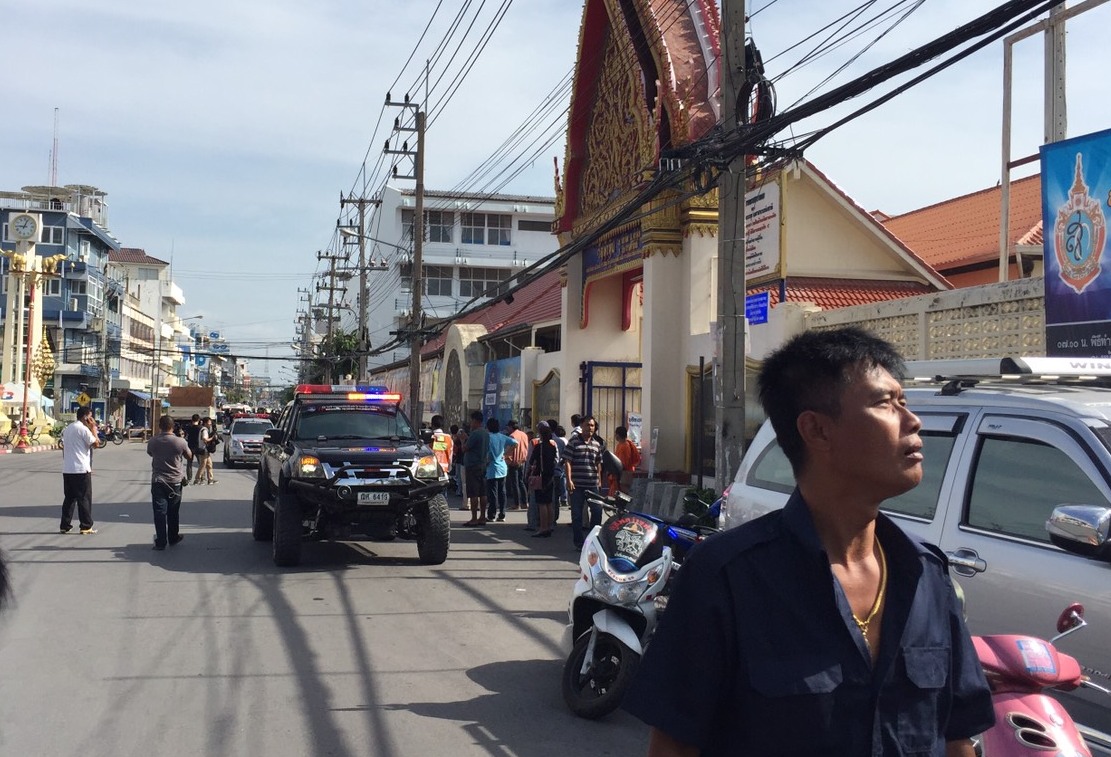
<point x="337" y="437"/>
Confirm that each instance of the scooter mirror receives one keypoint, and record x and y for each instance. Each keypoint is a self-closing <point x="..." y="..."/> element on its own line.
<point x="1072" y="617"/>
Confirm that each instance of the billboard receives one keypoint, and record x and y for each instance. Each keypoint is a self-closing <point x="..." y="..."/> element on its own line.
<point x="763" y="242"/>
<point x="1076" y="194"/>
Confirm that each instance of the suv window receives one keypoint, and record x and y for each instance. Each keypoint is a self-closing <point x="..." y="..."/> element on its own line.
<point x="1018" y="482"/>
<point x="361" y="421"/>
<point x="772" y="471"/>
<point x="250" y="427"/>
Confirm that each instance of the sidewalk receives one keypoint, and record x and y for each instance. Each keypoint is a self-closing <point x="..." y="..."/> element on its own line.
<point x="28" y="450"/>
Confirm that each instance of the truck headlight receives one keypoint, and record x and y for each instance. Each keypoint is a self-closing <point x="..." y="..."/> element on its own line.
<point x="310" y="467"/>
<point x="427" y="467"/>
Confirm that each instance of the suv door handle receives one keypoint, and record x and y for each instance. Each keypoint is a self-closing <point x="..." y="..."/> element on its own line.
<point x="966" y="562"/>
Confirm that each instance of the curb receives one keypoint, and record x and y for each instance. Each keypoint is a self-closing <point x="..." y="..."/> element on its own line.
<point x="27" y="450"/>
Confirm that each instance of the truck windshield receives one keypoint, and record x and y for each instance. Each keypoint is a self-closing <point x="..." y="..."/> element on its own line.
<point x="351" y="422"/>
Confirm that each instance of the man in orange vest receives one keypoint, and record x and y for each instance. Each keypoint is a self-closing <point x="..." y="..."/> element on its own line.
<point x="441" y="444"/>
<point x="629" y="456"/>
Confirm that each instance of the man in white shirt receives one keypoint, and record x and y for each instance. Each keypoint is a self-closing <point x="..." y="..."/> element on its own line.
<point x="78" y="441"/>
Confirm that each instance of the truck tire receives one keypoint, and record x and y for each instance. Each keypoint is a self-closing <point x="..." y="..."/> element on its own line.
<point x="262" y="519"/>
<point x="287" y="530"/>
<point x="434" y="535"/>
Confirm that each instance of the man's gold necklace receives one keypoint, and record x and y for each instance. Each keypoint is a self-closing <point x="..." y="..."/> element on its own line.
<point x="863" y="624"/>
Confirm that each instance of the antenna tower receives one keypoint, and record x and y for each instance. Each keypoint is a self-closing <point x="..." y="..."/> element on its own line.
<point x="54" y="153"/>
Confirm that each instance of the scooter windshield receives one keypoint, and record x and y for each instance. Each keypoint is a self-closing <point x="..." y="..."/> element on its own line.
<point x="630" y="542"/>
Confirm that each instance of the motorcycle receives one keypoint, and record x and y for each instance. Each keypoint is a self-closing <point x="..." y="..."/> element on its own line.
<point x="626" y="567"/>
<point x="1020" y="669"/>
<point x="107" y="433"/>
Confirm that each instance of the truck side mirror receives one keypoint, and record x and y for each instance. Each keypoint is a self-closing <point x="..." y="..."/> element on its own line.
<point x="1081" y="529"/>
<point x="273" y="436"/>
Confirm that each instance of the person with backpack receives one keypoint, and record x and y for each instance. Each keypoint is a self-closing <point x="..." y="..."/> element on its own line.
<point x="207" y="441"/>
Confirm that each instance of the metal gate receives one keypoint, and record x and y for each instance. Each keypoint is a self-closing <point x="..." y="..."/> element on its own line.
<point x="610" y="391"/>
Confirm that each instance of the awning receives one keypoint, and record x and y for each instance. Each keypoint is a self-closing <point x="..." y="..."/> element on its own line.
<point x="141" y="396"/>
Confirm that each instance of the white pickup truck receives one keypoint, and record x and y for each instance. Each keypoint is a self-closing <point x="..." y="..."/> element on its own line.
<point x="1005" y="442"/>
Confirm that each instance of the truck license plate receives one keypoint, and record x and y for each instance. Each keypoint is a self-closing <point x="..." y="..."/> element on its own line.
<point x="374" y="498"/>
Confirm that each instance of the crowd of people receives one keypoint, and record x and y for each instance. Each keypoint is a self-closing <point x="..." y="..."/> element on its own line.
<point x="495" y="468"/>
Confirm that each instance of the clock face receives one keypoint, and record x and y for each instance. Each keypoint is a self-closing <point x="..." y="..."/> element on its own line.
<point x="24" y="227"/>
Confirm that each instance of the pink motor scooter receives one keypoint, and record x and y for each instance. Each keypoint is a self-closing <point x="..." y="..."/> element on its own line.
<point x="1020" y="669"/>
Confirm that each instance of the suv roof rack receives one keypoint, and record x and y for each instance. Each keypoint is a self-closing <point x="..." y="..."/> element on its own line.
<point x="1019" y="369"/>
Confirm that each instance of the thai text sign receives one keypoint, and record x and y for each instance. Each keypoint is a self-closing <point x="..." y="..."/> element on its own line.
<point x="1076" y="194"/>
<point x="763" y="253"/>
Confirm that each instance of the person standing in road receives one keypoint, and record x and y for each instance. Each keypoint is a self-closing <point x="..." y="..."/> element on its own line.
<point x="441" y="444"/>
<point x="822" y="628"/>
<point x="193" y="439"/>
<point x="166" y="451"/>
<point x="459" y="443"/>
<point x="544" y="462"/>
<point x="78" y="441"/>
<point x="582" y="464"/>
<point x="496" y="470"/>
<point x="474" y="462"/>
<point x="515" y="460"/>
<point x="205" y="447"/>
<point x="629" y="456"/>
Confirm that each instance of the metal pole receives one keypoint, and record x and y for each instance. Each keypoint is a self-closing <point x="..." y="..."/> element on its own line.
<point x="1056" y="111"/>
<point x="700" y="415"/>
<point x="415" y="339"/>
<point x="329" y="366"/>
<point x="1005" y="178"/>
<point x="363" y="346"/>
<point x="729" y="389"/>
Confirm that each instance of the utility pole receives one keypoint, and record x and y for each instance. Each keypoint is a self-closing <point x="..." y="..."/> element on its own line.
<point x="329" y="365"/>
<point x="364" y="342"/>
<point x="729" y="384"/>
<point x="304" y="321"/>
<point x="415" y="330"/>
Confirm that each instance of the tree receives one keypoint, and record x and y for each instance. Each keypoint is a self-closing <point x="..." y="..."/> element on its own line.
<point x="341" y="352"/>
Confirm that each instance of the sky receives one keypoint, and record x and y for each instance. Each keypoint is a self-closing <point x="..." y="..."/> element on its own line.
<point x="225" y="132"/>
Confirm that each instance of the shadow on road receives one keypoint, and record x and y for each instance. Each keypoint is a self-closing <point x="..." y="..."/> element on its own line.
<point x="493" y="720"/>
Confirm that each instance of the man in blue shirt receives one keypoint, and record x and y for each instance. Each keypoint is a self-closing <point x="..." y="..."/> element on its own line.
<point x="822" y="629"/>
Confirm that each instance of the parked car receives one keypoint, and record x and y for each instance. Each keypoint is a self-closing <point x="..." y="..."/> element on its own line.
<point x="243" y="442"/>
<point x="1000" y="456"/>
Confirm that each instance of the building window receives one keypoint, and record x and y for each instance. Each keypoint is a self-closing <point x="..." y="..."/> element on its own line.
<point x="147" y="274"/>
<point x="53" y="235"/>
<point x="439" y="226"/>
<point x="475" y="281"/>
<point x="437" y="280"/>
<point x="526" y="225"/>
<point x="486" y="228"/>
<point x="78" y="287"/>
<point x="53" y="288"/>
<point x="407" y="219"/>
<point x="498" y="228"/>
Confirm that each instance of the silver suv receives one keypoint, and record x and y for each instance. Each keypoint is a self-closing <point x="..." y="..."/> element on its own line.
<point x="1005" y="442"/>
<point x="243" y="445"/>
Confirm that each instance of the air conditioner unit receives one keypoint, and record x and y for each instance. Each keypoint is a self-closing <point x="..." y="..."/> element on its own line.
<point x="83" y="257"/>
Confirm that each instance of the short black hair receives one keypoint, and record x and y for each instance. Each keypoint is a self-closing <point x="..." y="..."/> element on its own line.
<point x="810" y="372"/>
<point x="454" y="428"/>
<point x="437" y="421"/>
<point x="84" y="412"/>
<point x="165" y="423"/>
<point x="196" y="417"/>
<point x="576" y="420"/>
<point x="621" y="432"/>
<point x="476" y="415"/>
<point x="493" y="426"/>
<point x="511" y="424"/>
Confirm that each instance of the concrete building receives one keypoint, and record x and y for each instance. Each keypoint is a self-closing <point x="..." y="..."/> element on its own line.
<point x="80" y="328"/>
<point x="472" y="242"/>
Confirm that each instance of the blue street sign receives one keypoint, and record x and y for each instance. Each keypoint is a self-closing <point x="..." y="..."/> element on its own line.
<point x="756" y="308"/>
<point x="201" y="360"/>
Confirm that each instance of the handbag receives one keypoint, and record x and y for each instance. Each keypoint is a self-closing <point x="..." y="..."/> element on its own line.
<point x="535" y="483"/>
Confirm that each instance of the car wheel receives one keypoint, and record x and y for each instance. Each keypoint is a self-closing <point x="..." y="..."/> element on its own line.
<point x="287" y="530"/>
<point x="262" y="518"/>
<point x="434" y="531"/>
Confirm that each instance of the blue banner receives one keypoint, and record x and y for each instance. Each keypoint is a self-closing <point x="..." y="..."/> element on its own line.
<point x="1076" y="193"/>
<point x="501" y="390"/>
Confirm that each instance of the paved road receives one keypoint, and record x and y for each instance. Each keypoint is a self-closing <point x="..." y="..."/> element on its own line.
<point x="113" y="649"/>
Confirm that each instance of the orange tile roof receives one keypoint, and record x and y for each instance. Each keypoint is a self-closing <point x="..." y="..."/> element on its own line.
<point x="538" y="301"/>
<point x="965" y="230"/>
<point x="831" y="294"/>
<point x="133" y="255"/>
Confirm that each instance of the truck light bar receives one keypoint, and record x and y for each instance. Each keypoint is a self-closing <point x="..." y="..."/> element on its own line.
<point x="350" y="392"/>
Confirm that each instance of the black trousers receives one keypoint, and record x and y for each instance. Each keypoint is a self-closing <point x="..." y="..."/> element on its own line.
<point x="78" y="490"/>
<point x="166" y="501"/>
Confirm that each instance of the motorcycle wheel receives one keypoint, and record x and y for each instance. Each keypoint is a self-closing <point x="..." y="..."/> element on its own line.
<point x="117" y="438"/>
<point x="101" y="443"/>
<point x="600" y="690"/>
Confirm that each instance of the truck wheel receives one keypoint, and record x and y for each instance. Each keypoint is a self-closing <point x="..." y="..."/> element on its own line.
<point x="434" y="531"/>
<point x="262" y="519"/>
<point x="287" y="530"/>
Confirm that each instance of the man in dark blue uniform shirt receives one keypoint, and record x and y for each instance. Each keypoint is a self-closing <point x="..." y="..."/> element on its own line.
<point x="823" y="628"/>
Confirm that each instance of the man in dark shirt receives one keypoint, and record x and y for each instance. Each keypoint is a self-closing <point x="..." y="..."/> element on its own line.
<point x="193" y="439"/>
<point x="475" y="452"/>
<point x="822" y="629"/>
<point x="166" y="450"/>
